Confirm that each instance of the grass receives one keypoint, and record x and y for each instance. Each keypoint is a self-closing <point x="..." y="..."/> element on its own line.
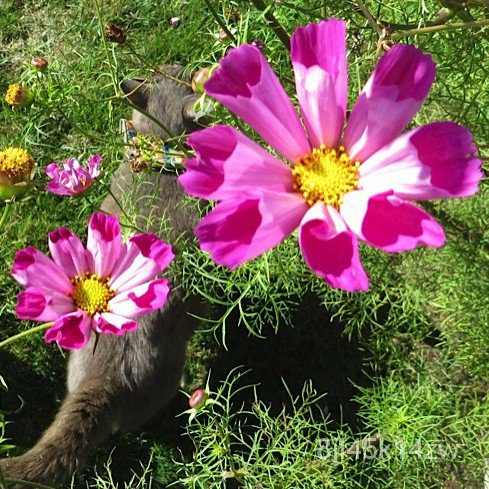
<point x="405" y="364"/>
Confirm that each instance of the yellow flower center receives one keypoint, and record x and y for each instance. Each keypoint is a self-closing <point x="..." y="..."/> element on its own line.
<point x="92" y="293"/>
<point x="16" y="163"/>
<point x="16" y="95"/>
<point x="326" y="175"/>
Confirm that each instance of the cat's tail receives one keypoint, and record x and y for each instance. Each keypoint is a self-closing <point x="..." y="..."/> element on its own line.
<point x="83" y="421"/>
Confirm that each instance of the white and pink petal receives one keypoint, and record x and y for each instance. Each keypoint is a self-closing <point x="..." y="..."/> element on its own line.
<point x="246" y="84"/>
<point x="71" y="331"/>
<point x="237" y="231"/>
<point x="318" y="53"/>
<point x="389" y="223"/>
<point x="391" y="97"/>
<point x="114" y="324"/>
<point x="104" y="243"/>
<point x="143" y="257"/>
<point x="331" y="250"/>
<point x="143" y="299"/>
<point x="431" y="162"/>
<point x="38" y="304"/>
<point x="94" y="163"/>
<point x="68" y="252"/>
<point x="228" y="163"/>
<point x="32" y="268"/>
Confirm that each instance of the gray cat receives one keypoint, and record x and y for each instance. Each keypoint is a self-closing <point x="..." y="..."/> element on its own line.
<point x="127" y="379"/>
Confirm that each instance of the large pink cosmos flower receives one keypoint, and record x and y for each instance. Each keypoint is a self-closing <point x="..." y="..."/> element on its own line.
<point x="344" y="185"/>
<point x="72" y="178"/>
<point x="100" y="288"/>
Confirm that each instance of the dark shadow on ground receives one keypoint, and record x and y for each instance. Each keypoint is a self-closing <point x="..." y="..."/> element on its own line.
<point x="32" y="399"/>
<point x="314" y="348"/>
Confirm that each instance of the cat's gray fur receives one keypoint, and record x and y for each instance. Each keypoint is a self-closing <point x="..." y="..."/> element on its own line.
<point x="128" y="379"/>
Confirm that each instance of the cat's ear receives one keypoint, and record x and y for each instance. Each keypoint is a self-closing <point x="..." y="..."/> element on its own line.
<point x="198" y="113"/>
<point x="136" y="90"/>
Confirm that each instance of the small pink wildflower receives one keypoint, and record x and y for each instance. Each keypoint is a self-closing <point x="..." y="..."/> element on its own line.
<point x="342" y="184"/>
<point x="72" y="178"/>
<point x="102" y="287"/>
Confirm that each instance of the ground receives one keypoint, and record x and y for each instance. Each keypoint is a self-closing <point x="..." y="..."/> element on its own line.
<point x="405" y="364"/>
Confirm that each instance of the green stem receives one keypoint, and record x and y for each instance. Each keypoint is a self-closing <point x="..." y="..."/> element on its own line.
<point x="445" y="27"/>
<point x="274" y="24"/>
<point x="369" y="16"/>
<point x="106" y="48"/>
<point x="119" y="205"/>
<point x="89" y="200"/>
<point x="219" y="20"/>
<point x="6" y="212"/>
<point x="159" y="123"/>
<point x="126" y="215"/>
<point x="25" y="333"/>
<point x="155" y="69"/>
<point x="149" y="116"/>
<point x="78" y="128"/>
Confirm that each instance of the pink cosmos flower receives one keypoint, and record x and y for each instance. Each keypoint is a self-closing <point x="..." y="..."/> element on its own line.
<point x="342" y="185"/>
<point x="72" y="178"/>
<point x="102" y="287"/>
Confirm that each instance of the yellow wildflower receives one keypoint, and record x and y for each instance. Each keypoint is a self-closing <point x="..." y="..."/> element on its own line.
<point x="16" y="170"/>
<point x="17" y="95"/>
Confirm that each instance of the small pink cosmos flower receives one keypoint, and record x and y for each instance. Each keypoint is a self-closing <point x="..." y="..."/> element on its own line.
<point x="102" y="287"/>
<point x="342" y="184"/>
<point x="72" y="178"/>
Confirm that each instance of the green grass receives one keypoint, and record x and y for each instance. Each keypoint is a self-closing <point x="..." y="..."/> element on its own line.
<point x="407" y="361"/>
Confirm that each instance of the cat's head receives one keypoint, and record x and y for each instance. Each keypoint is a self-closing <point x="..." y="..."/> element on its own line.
<point x="169" y="101"/>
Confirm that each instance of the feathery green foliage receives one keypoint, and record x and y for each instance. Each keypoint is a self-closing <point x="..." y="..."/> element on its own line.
<point x="404" y="365"/>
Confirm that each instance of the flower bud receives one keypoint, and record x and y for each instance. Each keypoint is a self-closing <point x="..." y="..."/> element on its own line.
<point x="197" y="399"/>
<point x="199" y="78"/>
<point x="221" y="35"/>
<point x="39" y="63"/>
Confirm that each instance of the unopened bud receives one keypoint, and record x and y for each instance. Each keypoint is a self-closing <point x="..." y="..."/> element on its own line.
<point x="197" y="398"/>
<point x="199" y="78"/>
<point x="39" y="63"/>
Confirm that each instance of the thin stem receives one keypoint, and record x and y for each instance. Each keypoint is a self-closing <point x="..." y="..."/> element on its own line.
<point x="77" y="127"/>
<point x="156" y="69"/>
<point x="130" y="226"/>
<point x="148" y="115"/>
<point x="106" y="48"/>
<point x="25" y="333"/>
<point x="443" y="16"/>
<point x="177" y="138"/>
<point x="119" y="205"/>
<point x="157" y="122"/>
<point x="369" y="16"/>
<point x="6" y="212"/>
<point x="89" y="200"/>
<point x="446" y="27"/>
<point x="309" y="12"/>
<point x="274" y="24"/>
<point x="219" y="20"/>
